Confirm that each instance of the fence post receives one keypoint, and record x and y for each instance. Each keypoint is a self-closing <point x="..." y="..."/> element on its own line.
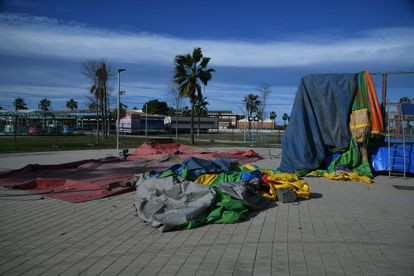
<point x="15" y="127"/>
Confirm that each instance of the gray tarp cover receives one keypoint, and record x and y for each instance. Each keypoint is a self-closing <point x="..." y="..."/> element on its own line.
<point x="170" y="202"/>
<point x="248" y="192"/>
<point x="319" y="120"/>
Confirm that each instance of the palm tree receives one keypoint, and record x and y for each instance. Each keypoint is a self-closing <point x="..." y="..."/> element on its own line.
<point x="285" y="118"/>
<point x="251" y="104"/>
<point x="72" y="104"/>
<point x="200" y="108"/>
<point x="19" y="104"/>
<point x="190" y="72"/>
<point x="272" y="117"/>
<point x="44" y="104"/>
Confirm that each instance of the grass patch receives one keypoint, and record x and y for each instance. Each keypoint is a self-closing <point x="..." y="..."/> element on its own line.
<point x="50" y="143"/>
<point x="87" y="142"/>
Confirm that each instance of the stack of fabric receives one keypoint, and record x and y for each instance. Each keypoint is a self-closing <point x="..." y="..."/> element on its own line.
<point x="332" y="113"/>
<point x="365" y="121"/>
<point x="200" y="191"/>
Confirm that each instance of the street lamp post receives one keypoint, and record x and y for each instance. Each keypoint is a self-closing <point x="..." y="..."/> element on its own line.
<point x="118" y="108"/>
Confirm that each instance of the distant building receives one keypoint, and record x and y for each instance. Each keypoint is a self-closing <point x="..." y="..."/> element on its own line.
<point x="226" y="118"/>
<point x="183" y="123"/>
<point x="32" y="121"/>
<point x="266" y="124"/>
<point x="136" y="121"/>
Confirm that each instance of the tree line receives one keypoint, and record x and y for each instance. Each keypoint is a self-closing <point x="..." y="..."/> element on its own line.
<point x="191" y="74"/>
<point x="44" y="104"/>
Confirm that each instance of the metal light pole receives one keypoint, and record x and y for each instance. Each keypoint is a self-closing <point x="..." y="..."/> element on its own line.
<point x="118" y="108"/>
<point x="146" y="121"/>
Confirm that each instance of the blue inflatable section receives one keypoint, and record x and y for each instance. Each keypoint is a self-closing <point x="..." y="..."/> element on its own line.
<point x="378" y="155"/>
<point x="380" y="158"/>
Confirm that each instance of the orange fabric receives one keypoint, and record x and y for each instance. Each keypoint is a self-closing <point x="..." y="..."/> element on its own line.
<point x="376" y="114"/>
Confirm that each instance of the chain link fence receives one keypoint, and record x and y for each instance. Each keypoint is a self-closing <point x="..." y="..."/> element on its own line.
<point x="21" y="133"/>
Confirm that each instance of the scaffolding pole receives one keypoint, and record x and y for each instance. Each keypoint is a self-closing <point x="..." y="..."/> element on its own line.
<point x="393" y="73"/>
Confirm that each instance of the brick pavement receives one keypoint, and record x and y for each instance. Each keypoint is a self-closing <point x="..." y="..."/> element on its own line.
<point x="347" y="229"/>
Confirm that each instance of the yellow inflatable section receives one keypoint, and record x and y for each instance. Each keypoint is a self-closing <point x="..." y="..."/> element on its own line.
<point x="285" y="181"/>
<point x="347" y="176"/>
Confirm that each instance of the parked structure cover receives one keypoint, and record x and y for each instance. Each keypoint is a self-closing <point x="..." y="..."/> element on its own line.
<point x="319" y="120"/>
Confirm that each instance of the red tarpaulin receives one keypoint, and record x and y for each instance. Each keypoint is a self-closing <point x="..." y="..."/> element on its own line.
<point x="92" y="179"/>
<point x="147" y="151"/>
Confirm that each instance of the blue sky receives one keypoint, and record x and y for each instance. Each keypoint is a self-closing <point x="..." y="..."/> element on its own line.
<point x="44" y="42"/>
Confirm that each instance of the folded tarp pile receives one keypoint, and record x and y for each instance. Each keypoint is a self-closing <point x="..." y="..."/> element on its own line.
<point x="92" y="179"/>
<point x="332" y="113"/>
<point x="200" y="191"/>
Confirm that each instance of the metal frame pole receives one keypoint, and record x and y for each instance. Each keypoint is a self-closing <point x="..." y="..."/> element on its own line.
<point x="176" y="119"/>
<point x="384" y="94"/>
<point x="118" y="108"/>
<point x="146" y="120"/>
<point x="393" y="73"/>
<point x="14" y="132"/>
<point x="389" y="138"/>
<point x="403" y="143"/>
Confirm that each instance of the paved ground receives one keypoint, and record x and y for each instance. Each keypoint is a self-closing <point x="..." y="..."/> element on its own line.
<point x="348" y="228"/>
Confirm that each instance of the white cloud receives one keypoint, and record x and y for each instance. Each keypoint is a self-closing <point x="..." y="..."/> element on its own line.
<point x="24" y="35"/>
<point x="41" y="91"/>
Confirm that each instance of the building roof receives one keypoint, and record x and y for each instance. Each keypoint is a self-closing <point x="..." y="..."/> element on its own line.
<point x="219" y="111"/>
<point x="264" y="121"/>
<point x="142" y="114"/>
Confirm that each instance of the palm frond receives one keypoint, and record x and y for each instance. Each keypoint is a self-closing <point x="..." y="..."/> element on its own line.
<point x="204" y="62"/>
<point x="197" y="55"/>
<point x="204" y="77"/>
<point x="92" y="89"/>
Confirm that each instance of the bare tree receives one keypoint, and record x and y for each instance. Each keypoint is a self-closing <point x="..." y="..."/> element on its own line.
<point x="244" y="112"/>
<point x="100" y="75"/>
<point x="90" y="103"/>
<point x="264" y="90"/>
<point x="109" y="100"/>
<point x="173" y="89"/>
<point x="89" y="69"/>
